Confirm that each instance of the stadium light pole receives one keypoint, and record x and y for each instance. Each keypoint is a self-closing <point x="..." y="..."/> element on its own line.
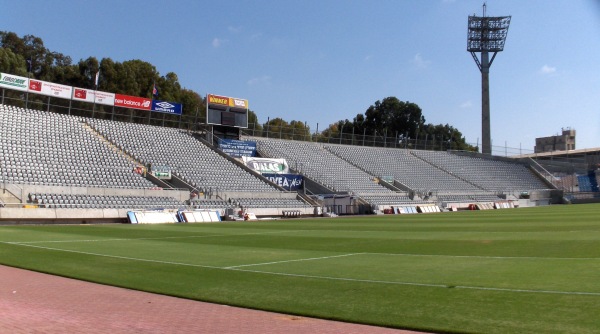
<point x="486" y="34"/>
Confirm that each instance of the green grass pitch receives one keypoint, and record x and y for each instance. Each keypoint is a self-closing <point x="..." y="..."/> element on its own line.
<point x="529" y="270"/>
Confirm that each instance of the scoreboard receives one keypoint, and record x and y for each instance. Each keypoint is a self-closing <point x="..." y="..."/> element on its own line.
<point x="226" y="111"/>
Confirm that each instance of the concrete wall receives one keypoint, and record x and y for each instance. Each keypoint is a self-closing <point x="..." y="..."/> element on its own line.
<point x="279" y="211"/>
<point x="44" y="215"/>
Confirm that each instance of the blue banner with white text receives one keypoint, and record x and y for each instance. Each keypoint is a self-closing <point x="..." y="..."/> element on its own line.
<point x="238" y="148"/>
<point x="287" y="181"/>
<point x="167" y="107"/>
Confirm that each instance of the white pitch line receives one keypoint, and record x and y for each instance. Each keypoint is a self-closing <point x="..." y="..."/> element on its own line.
<point x="113" y="256"/>
<point x="134" y="239"/>
<point x="530" y="291"/>
<point x="287" y="261"/>
<point x="486" y="257"/>
<point x="445" y="286"/>
<point x="423" y="284"/>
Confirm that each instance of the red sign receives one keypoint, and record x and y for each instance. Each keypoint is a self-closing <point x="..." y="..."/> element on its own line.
<point x="133" y="102"/>
<point x="80" y="93"/>
<point x="35" y="85"/>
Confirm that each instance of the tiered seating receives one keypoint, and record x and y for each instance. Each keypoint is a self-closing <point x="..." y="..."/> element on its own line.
<point x="45" y="148"/>
<point x="402" y="166"/>
<point x="72" y="201"/>
<point x="587" y="183"/>
<point x="388" y="200"/>
<point x="320" y="165"/>
<point x="491" y="175"/>
<point x="469" y="198"/>
<point x="269" y="203"/>
<point x="211" y="204"/>
<point x="189" y="158"/>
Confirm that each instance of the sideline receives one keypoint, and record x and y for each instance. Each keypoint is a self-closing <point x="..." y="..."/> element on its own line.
<point x="556" y="292"/>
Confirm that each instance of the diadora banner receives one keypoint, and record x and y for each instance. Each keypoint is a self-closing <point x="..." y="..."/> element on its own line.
<point x="266" y="165"/>
<point x="133" y="102"/>
<point x="167" y="107"/>
<point x="87" y="95"/>
<point x="287" y="181"/>
<point x="238" y="148"/>
<point x="227" y="101"/>
<point x="50" y="89"/>
<point x="13" y="82"/>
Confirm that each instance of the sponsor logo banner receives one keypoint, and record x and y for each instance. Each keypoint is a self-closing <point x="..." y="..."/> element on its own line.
<point x="227" y="101"/>
<point x="132" y="102"/>
<point x="287" y="181"/>
<point x="87" y="95"/>
<point x="267" y="165"/>
<point x="216" y="99"/>
<point x="166" y="107"/>
<point x="50" y="89"/>
<point x="238" y="103"/>
<point x="161" y="172"/>
<point x="13" y="82"/>
<point x="238" y="148"/>
<point x="105" y="98"/>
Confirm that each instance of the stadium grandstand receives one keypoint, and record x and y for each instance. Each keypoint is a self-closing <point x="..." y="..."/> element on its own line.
<point x="88" y="167"/>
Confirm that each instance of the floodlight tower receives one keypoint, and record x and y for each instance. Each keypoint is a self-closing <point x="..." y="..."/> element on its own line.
<point x="486" y="34"/>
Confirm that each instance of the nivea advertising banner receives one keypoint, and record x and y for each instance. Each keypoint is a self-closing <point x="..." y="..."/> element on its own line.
<point x="238" y="148"/>
<point x="166" y="107"/>
<point x="267" y="165"/>
<point x="287" y="181"/>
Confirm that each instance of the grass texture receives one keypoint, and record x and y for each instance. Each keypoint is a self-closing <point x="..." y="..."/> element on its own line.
<point x="502" y="271"/>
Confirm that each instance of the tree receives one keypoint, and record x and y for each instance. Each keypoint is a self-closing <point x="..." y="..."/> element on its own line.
<point x="276" y="128"/>
<point x="253" y="124"/>
<point x="394" y="116"/>
<point x="193" y="104"/>
<point x="87" y="72"/>
<point x="43" y="61"/>
<point x="335" y="132"/>
<point x="169" y="88"/>
<point x="12" y="63"/>
<point x="299" y="130"/>
<point x="445" y="137"/>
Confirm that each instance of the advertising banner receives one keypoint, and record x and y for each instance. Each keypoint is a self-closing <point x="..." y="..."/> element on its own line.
<point x="267" y="165"/>
<point x="87" y="95"/>
<point x="287" y="181"/>
<point x="161" y="172"/>
<point x="226" y="101"/>
<point x="216" y="99"/>
<point x="13" y="82"/>
<point x="133" y="102"/>
<point x="50" y="89"/>
<point x="238" y="148"/>
<point x="166" y="107"/>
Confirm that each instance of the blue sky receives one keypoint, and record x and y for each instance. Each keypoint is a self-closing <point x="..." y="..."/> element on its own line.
<point x="322" y="61"/>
